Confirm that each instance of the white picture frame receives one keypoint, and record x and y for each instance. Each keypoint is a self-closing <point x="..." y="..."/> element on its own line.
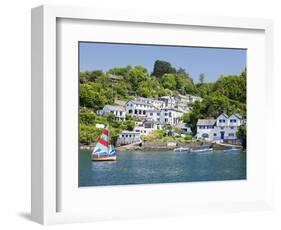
<point x="56" y="199"/>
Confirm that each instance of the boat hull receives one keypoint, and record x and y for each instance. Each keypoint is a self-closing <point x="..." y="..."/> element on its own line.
<point x="103" y="158"/>
<point x="179" y="150"/>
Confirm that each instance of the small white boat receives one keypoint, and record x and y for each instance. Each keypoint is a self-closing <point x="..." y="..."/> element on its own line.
<point x="231" y="150"/>
<point x="182" y="149"/>
<point x="202" y="150"/>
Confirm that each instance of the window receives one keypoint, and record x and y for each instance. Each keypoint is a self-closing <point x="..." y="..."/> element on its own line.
<point x="130" y="111"/>
<point x="215" y="134"/>
<point x="158" y="114"/>
<point x="232" y="127"/>
<point x="166" y="120"/>
<point x="170" y="114"/>
<point x="151" y="114"/>
<point x="231" y="134"/>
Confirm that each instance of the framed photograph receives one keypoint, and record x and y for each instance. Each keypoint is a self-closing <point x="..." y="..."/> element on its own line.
<point x="141" y="114"/>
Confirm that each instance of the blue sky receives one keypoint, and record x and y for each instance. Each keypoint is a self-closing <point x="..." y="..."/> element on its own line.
<point x="213" y="62"/>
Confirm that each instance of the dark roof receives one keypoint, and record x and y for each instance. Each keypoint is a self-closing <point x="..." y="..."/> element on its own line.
<point x="206" y="122"/>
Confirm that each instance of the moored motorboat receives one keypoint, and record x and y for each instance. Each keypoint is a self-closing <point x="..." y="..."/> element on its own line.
<point x="201" y="150"/>
<point x="182" y="149"/>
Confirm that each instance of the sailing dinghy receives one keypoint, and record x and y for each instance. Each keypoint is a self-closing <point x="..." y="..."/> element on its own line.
<point x="104" y="150"/>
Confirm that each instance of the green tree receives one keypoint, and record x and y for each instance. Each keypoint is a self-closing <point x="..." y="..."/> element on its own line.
<point x="120" y="71"/>
<point x="184" y="84"/>
<point x="137" y="75"/>
<point x="202" y="78"/>
<point x="150" y="88"/>
<point x="87" y="116"/>
<point x="204" y="89"/>
<point x="169" y="81"/>
<point x="186" y="117"/>
<point x="242" y="134"/>
<point x="233" y="87"/>
<point x="90" y="98"/>
<point x="162" y="67"/>
<point x="87" y="76"/>
<point x="122" y="89"/>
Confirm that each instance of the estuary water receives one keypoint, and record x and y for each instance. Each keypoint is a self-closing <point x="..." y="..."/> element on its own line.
<point x="162" y="167"/>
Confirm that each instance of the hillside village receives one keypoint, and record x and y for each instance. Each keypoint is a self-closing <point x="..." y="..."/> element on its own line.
<point x="151" y="115"/>
<point x="164" y="106"/>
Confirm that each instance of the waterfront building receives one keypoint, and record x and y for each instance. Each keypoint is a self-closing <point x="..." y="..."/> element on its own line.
<point x="147" y="127"/>
<point x="118" y="112"/>
<point x="185" y="127"/>
<point x="222" y="129"/>
<point x="128" y="137"/>
<point x="205" y="129"/>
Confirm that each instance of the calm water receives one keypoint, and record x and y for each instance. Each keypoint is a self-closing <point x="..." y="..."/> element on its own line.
<point x="162" y="167"/>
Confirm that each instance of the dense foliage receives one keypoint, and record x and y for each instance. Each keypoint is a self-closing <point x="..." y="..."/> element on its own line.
<point x="242" y="134"/>
<point x="98" y="88"/>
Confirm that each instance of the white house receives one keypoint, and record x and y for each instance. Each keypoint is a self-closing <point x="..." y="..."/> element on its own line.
<point x="128" y="137"/>
<point x="185" y="127"/>
<point x="138" y="108"/>
<point x="171" y="116"/>
<point x="223" y="129"/>
<point x="156" y="103"/>
<point x="169" y="101"/>
<point x="165" y="116"/>
<point x="118" y="111"/>
<point x="147" y="127"/>
<point x="193" y="98"/>
<point x="205" y="129"/>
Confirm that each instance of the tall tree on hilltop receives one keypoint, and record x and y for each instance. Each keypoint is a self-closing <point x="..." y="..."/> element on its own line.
<point x="202" y="78"/>
<point x="162" y="67"/>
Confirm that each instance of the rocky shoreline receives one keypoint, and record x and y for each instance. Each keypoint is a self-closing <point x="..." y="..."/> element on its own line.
<point x="167" y="146"/>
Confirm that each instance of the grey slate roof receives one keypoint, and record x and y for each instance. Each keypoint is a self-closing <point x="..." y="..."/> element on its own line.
<point x="141" y="103"/>
<point x="206" y="122"/>
<point x="224" y="114"/>
<point x="115" y="107"/>
<point x="237" y="115"/>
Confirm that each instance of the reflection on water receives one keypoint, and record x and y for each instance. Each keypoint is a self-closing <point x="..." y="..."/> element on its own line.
<point x="161" y="167"/>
